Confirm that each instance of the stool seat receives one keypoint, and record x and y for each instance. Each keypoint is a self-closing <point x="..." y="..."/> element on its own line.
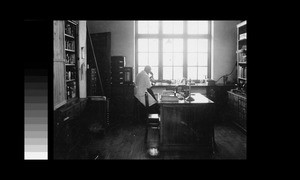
<point x="153" y="116"/>
<point x="152" y="127"/>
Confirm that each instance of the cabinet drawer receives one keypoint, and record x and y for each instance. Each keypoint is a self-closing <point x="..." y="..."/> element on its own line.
<point x="67" y="114"/>
<point x="76" y="110"/>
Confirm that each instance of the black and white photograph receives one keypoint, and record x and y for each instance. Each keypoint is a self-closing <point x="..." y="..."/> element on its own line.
<point x="149" y="90"/>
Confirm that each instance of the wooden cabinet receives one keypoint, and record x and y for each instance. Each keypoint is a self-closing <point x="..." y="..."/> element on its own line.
<point x="59" y="94"/>
<point x="122" y="103"/>
<point x="69" y="127"/>
<point x="237" y="98"/>
<point x="218" y="94"/>
<point x="242" y="54"/>
<point x="187" y="126"/>
<point x="65" y="58"/>
<point x="71" y="58"/>
<point x="237" y="104"/>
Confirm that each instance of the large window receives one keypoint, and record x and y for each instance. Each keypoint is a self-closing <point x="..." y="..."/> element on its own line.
<point x="174" y="49"/>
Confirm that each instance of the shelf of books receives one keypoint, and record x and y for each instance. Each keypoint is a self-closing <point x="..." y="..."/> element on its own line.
<point x="242" y="53"/>
<point x="70" y="38"/>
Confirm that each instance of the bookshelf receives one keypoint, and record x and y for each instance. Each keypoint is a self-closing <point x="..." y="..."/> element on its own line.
<point x="242" y="53"/>
<point x="71" y="56"/>
<point x="237" y="98"/>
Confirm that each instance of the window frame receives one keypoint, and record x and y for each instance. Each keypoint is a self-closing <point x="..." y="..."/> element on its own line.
<point x="185" y="36"/>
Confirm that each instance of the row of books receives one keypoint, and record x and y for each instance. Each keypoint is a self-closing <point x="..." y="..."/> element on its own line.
<point x="70" y="45"/>
<point x="243" y="36"/>
<point x="242" y="72"/>
<point x="69" y="30"/>
<point x="242" y="57"/>
<point x="70" y="58"/>
<point x="71" y="90"/>
<point x="70" y="75"/>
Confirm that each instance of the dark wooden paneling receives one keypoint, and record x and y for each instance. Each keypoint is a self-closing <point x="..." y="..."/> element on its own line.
<point x="238" y="109"/>
<point x="122" y="102"/>
<point x="68" y="128"/>
<point x="186" y="125"/>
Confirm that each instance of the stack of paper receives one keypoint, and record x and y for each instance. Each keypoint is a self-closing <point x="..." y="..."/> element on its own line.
<point x="169" y="98"/>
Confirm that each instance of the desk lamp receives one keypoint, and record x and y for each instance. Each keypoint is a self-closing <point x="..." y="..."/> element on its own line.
<point x="190" y="97"/>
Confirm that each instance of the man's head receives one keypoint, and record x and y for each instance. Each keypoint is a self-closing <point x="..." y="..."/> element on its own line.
<point x="147" y="69"/>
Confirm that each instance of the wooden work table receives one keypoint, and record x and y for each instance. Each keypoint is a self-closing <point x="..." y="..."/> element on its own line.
<point x="187" y="126"/>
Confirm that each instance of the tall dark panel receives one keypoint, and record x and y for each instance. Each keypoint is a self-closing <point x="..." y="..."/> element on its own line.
<point x="102" y="49"/>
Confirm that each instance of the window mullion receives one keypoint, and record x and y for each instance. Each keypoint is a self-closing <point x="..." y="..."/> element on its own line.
<point x="185" y="49"/>
<point x="209" y="51"/>
<point x="160" y="54"/>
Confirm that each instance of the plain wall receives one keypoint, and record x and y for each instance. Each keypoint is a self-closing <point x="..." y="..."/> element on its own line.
<point x="122" y="37"/>
<point x="223" y="44"/>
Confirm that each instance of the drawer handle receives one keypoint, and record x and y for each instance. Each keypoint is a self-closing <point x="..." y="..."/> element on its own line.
<point x="66" y="118"/>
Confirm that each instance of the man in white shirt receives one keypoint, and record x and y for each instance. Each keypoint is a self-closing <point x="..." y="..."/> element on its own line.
<point x="143" y="84"/>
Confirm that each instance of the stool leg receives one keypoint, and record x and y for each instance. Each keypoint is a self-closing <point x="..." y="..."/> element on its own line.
<point x="146" y="136"/>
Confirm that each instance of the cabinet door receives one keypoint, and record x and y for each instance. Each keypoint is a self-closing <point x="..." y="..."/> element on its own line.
<point x="58" y="40"/>
<point x="82" y="59"/>
<point x="59" y="95"/>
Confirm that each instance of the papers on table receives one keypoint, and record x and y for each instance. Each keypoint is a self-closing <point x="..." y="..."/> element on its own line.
<point x="168" y="96"/>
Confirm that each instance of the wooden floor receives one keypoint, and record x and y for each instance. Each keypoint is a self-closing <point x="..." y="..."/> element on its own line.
<point x="126" y="141"/>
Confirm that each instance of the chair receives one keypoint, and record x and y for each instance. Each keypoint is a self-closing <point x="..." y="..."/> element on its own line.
<point x="152" y="124"/>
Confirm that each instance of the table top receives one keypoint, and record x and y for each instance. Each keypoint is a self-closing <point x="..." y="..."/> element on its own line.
<point x="198" y="99"/>
<point x="159" y="84"/>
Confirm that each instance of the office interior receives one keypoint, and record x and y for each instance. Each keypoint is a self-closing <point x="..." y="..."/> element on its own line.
<point x="200" y="84"/>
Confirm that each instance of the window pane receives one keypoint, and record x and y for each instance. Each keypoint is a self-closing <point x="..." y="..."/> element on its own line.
<point x="167" y="73"/>
<point x="143" y="45"/>
<point x="192" y="59"/>
<point x="155" y="72"/>
<point x="142" y="27"/>
<point x="192" y="27"/>
<point x="192" y="73"/>
<point x="178" y="72"/>
<point x="167" y="59"/>
<point x="202" y="45"/>
<point x="167" y="45"/>
<point x="202" y="59"/>
<point x="178" y="27"/>
<point x="178" y="45"/>
<point x="153" y="59"/>
<point x="153" y="27"/>
<point x="178" y="59"/>
<point x="167" y="27"/>
<point x="142" y="59"/>
<point x="203" y="27"/>
<point x="153" y="45"/>
<point x="192" y="45"/>
<point x="197" y="27"/>
<point x="202" y="72"/>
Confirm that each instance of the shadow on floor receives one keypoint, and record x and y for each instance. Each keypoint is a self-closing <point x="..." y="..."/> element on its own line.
<point x="126" y="141"/>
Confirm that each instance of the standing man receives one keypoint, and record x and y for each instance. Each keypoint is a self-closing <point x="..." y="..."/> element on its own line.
<point x="143" y="84"/>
